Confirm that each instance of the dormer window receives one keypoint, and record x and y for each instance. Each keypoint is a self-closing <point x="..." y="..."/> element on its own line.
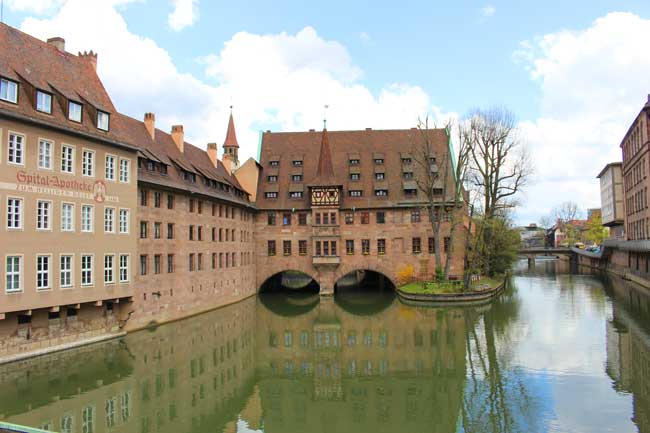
<point x="379" y="161"/>
<point x="354" y="162"/>
<point x="406" y="161"/>
<point x="297" y="163"/>
<point x="274" y="163"/>
<point x="102" y="120"/>
<point x="74" y="111"/>
<point x="296" y="178"/>
<point x="354" y="176"/>
<point x="272" y="178"/>
<point x="381" y="192"/>
<point x="43" y="102"/>
<point x="8" y="90"/>
<point x="379" y="176"/>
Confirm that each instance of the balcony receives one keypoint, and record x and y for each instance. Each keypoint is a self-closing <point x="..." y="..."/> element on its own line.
<point x="326" y="260"/>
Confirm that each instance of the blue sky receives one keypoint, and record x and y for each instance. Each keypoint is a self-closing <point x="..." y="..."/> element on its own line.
<point x="571" y="71"/>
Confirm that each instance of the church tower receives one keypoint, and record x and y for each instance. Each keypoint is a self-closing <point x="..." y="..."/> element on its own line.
<point x="230" y="145"/>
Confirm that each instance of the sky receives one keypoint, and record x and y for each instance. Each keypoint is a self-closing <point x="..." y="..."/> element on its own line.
<point x="575" y="73"/>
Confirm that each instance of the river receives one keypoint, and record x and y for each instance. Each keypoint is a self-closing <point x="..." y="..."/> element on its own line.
<point x="558" y="352"/>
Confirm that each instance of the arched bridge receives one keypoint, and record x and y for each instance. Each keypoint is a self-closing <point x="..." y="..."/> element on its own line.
<point x="532" y="253"/>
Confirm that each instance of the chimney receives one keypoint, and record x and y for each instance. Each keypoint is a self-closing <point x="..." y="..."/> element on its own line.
<point x="90" y="57"/>
<point x="150" y="124"/>
<point x="227" y="163"/>
<point x="178" y="136"/>
<point x="212" y="153"/>
<point x="58" y="43"/>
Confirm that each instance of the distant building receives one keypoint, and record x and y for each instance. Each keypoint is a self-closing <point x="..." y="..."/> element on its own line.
<point x="531" y="236"/>
<point x="611" y="199"/>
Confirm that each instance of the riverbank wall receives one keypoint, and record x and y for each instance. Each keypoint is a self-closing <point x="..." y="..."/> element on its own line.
<point x="624" y="259"/>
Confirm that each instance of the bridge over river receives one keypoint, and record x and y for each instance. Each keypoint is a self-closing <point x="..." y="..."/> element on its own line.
<point x="532" y="253"/>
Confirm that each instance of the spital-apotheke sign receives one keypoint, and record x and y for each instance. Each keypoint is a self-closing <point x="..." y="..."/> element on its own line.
<point x="54" y="185"/>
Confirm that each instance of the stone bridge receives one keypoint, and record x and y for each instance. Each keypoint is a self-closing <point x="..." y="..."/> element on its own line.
<point x="532" y="253"/>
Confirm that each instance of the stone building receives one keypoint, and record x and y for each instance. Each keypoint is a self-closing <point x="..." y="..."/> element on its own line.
<point x="611" y="199"/>
<point x="331" y="203"/>
<point x="68" y="198"/>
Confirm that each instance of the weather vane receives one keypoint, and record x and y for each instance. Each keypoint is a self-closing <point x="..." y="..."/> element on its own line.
<point x="325" y="116"/>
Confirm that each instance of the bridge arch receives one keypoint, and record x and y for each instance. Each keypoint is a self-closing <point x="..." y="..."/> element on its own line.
<point x="269" y="273"/>
<point x="377" y="268"/>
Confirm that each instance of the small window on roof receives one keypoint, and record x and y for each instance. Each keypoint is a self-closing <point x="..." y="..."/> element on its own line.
<point x="8" y="90"/>
<point x="102" y="120"/>
<point x="43" y="102"/>
<point x="274" y="163"/>
<point x="74" y="111"/>
<point x="297" y="163"/>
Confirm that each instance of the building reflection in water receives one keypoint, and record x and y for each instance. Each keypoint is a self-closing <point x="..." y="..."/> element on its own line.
<point x="279" y="363"/>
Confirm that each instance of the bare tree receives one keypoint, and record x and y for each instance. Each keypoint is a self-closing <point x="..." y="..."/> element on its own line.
<point x="500" y="164"/>
<point x="566" y="211"/>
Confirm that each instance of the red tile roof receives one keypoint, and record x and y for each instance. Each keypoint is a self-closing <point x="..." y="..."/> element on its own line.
<point x="325" y="171"/>
<point x="231" y="137"/>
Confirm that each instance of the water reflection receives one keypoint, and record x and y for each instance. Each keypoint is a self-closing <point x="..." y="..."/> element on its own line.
<point x="559" y="351"/>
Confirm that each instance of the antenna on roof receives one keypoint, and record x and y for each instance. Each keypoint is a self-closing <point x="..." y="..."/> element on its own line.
<point x="325" y="116"/>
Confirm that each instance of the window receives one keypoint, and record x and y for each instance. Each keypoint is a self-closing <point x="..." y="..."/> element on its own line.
<point x="43" y="215"/>
<point x="415" y="215"/>
<point x="143" y="264"/>
<point x="87" y="218"/>
<point x="14" y="213"/>
<point x="302" y="219"/>
<point x="109" y="220"/>
<point x="381" y="246"/>
<point x="406" y="161"/>
<point x="110" y="167"/>
<point x="365" y="217"/>
<point x="445" y="246"/>
<point x="297" y="163"/>
<point x="170" y="201"/>
<point x="143" y="229"/>
<point x="190" y="232"/>
<point x="270" y="218"/>
<point x="170" y="230"/>
<point x="381" y="217"/>
<point x="318" y="248"/>
<point x="16" y="151"/>
<point x="86" y="270"/>
<point x="65" y="271"/>
<point x="274" y="163"/>
<point x="43" y="102"/>
<point x="295" y="194"/>
<point x="12" y="274"/>
<point x="286" y="219"/>
<point x="380" y="176"/>
<point x="416" y="246"/>
<point x="365" y="246"/>
<point x="170" y="263"/>
<point x="381" y="193"/>
<point x="199" y="233"/>
<point x="8" y="90"/>
<point x="318" y="216"/>
<point x="74" y="111"/>
<point x="157" y="263"/>
<point x="349" y="246"/>
<point x="272" y="178"/>
<point x="124" y="220"/>
<point x="270" y="248"/>
<point x="157" y="230"/>
<point x="156" y="199"/>
<point x="88" y="163"/>
<point x="102" y="120"/>
<point x="411" y="192"/>
<point x="356" y="193"/>
<point x="271" y="194"/>
<point x="354" y="161"/>
<point x="349" y="218"/>
<point x="296" y="178"/>
<point x="407" y="175"/>
<point x="333" y="218"/>
<point x="125" y="166"/>
<point x="42" y="272"/>
<point x="124" y="268"/>
<point x="191" y="262"/>
<point x="286" y="248"/>
<point x="355" y="176"/>
<point x="437" y="191"/>
<point x="45" y="154"/>
<point x="432" y="245"/>
<point x="302" y="247"/>
<point x="88" y="419"/>
<point x="379" y="161"/>
<point x="144" y="197"/>
<point x="67" y="159"/>
<point x="67" y="217"/>
<point x="191" y="205"/>
<point x="199" y="206"/>
<point x="109" y="269"/>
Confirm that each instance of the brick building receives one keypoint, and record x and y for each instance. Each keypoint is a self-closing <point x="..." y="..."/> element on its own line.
<point x="356" y="206"/>
<point x="611" y="199"/>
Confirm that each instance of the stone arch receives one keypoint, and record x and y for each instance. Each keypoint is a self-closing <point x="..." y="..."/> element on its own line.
<point x="374" y="267"/>
<point x="263" y="277"/>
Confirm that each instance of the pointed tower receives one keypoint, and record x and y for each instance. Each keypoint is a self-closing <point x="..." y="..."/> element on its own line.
<point x="230" y="145"/>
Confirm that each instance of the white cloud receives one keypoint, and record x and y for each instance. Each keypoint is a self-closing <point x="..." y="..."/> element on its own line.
<point x="593" y="84"/>
<point x="488" y="10"/>
<point x="33" y="6"/>
<point x="278" y="81"/>
<point x="185" y="14"/>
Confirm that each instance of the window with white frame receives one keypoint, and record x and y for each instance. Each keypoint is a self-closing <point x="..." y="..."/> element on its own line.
<point x="110" y="167"/>
<point x="124" y="220"/>
<point x="65" y="271"/>
<point x="86" y="270"/>
<point x="125" y="165"/>
<point x="45" y="154"/>
<point x="14" y="213"/>
<point x="124" y="268"/>
<point x="43" y="212"/>
<point x="102" y="120"/>
<point x="8" y="90"/>
<point x="88" y="163"/>
<point x="88" y="419"/>
<point x="67" y="217"/>
<point x="16" y="150"/>
<point x="14" y="265"/>
<point x="109" y="220"/>
<point x="42" y="272"/>
<point x="86" y="218"/>
<point x="43" y="102"/>
<point x="67" y="159"/>
<point x="74" y="111"/>
<point x="109" y="269"/>
<point x="67" y="423"/>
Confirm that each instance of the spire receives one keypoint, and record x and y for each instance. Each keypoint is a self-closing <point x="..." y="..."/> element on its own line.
<point x="325" y="172"/>
<point x="231" y="138"/>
